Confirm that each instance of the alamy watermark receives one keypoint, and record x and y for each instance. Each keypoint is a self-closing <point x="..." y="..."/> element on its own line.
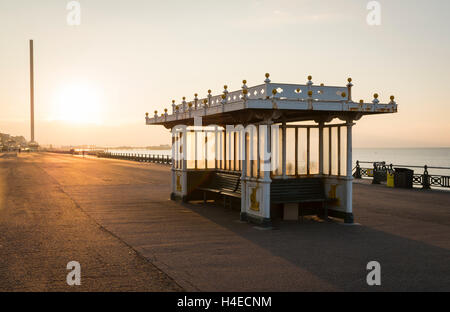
<point x="374" y="16"/>
<point x="74" y="15"/>
<point x="374" y="276"/>
<point x="249" y="133"/>
<point x="74" y="276"/>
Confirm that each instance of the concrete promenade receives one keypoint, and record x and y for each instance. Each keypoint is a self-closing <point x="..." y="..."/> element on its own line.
<point x="116" y="219"/>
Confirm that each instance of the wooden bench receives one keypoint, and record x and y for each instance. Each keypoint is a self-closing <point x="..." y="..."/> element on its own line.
<point x="299" y="190"/>
<point x="222" y="183"/>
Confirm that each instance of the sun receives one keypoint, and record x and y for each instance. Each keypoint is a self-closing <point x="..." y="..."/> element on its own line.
<point x="77" y="103"/>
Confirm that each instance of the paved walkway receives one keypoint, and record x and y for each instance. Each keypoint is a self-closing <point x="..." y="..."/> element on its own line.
<point x="207" y="248"/>
<point x="42" y="229"/>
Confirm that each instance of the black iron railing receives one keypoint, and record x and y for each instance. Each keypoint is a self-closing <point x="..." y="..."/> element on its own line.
<point x="161" y="159"/>
<point x="378" y="172"/>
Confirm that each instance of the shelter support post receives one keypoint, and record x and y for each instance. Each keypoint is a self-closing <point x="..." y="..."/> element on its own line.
<point x="243" y="157"/>
<point x="256" y="197"/>
<point x="321" y="147"/>
<point x="179" y="166"/>
<point x="349" y="177"/>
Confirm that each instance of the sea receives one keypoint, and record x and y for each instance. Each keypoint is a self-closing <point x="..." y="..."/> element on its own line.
<point x="439" y="158"/>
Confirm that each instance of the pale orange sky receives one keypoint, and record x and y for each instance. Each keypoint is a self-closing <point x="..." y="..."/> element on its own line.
<point x="95" y="81"/>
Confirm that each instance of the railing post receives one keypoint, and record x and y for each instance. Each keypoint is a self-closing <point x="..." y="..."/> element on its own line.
<point x="357" y="174"/>
<point x="375" y="179"/>
<point x="425" y="179"/>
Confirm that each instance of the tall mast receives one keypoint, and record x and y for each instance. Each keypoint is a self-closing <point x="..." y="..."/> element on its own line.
<point x="31" y="91"/>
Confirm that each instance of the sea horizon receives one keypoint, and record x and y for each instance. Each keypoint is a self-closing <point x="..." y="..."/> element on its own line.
<point x="397" y="156"/>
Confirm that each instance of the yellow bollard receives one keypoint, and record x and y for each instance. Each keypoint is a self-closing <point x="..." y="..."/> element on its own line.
<point x="390" y="179"/>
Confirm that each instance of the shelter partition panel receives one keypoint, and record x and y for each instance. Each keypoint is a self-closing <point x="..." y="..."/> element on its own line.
<point x="230" y="151"/>
<point x="314" y="151"/>
<point x="210" y="143"/>
<point x="201" y="150"/>
<point x="254" y="152"/>
<point x="247" y="154"/>
<point x="334" y="151"/>
<point x="326" y="151"/>
<point x="302" y="151"/>
<point x="343" y="151"/>
<point x="190" y="150"/>
<point x="290" y="151"/>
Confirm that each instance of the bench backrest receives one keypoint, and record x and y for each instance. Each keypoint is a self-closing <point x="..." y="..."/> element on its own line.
<point x="292" y="190"/>
<point x="224" y="181"/>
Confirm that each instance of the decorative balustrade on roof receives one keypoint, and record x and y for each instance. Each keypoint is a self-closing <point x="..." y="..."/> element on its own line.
<point x="276" y="96"/>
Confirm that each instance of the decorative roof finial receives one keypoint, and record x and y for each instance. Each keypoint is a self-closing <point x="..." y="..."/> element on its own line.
<point x="375" y="99"/>
<point x="392" y="99"/>
<point x="244" y="92"/>
<point x="183" y="106"/>
<point x="349" y="84"/>
<point x="195" y="100"/>
<point x="309" y="83"/>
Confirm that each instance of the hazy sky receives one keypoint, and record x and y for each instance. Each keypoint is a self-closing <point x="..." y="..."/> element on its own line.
<point x="95" y="81"/>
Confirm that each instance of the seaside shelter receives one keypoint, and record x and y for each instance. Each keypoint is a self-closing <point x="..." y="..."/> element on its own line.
<point x="275" y="149"/>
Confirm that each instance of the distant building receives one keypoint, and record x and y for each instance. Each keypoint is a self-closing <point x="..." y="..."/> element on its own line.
<point x="10" y="143"/>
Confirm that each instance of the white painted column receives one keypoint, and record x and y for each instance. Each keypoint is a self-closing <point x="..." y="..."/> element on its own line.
<point x="268" y="148"/>
<point x="321" y="147"/>
<point x="243" y="174"/>
<point x="196" y="148"/>
<point x="257" y="205"/>
<point x="206" y="148"/>
<point x="266" y="180"/>
<point x="184" y="169"/>
<point x="283" y="150"/>
<point x="174" y="147"/>
<point x="349" y="177"/>
<point x="216" y="145"/>
<point x="174" y="162"/>
<point x="184" y="153"/>
<point x="179" y="171"/>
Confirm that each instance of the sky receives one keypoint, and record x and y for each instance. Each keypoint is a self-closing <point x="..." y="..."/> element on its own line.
<point x="95" y="81"/>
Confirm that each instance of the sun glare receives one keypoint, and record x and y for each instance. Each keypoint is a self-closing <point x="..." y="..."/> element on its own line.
<point x="77" y="104"/>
